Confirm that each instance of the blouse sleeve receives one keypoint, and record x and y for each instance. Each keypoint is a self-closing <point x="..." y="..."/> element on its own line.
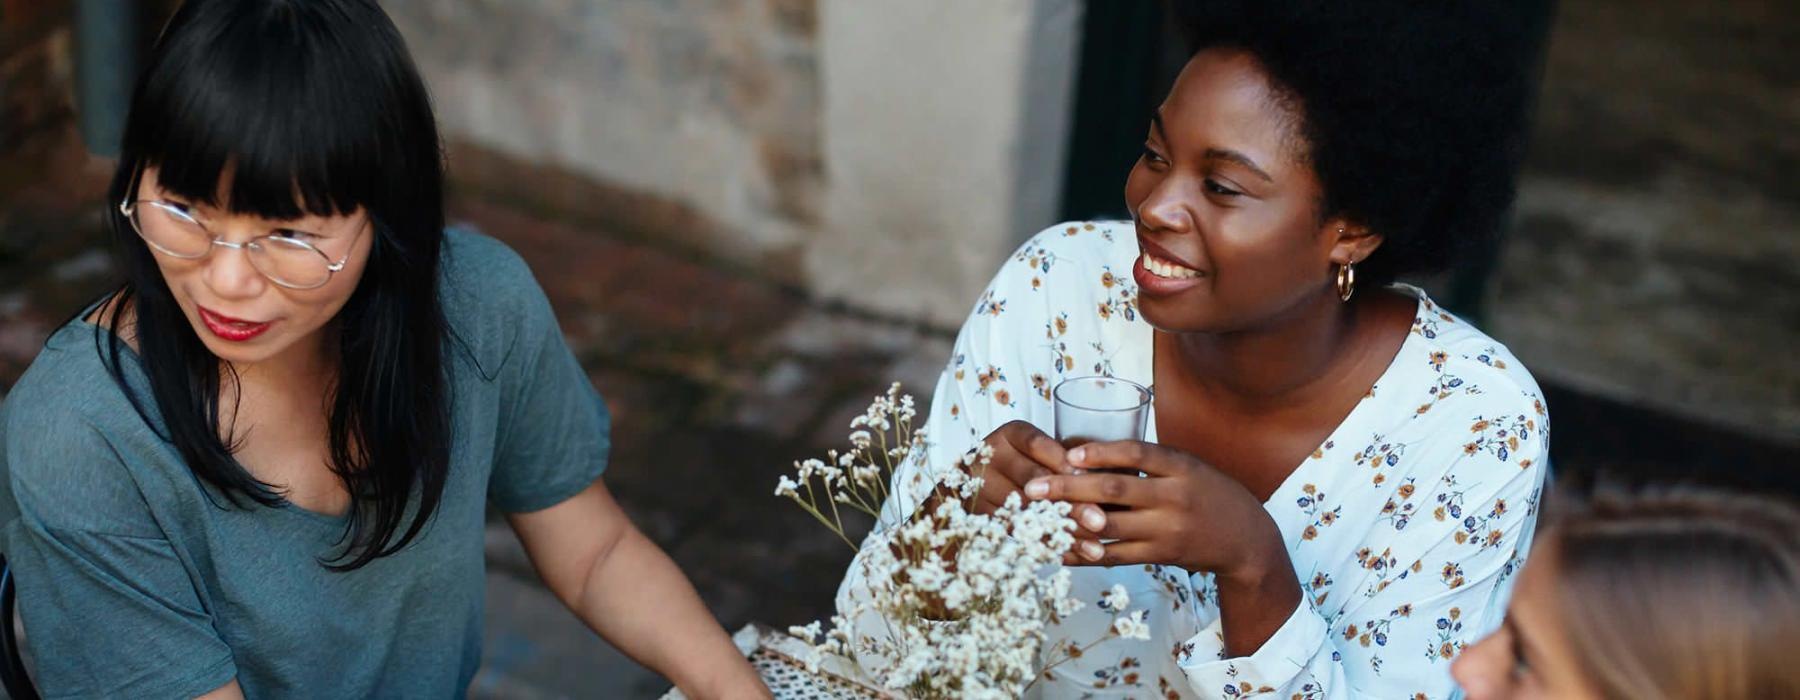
<point x="989" y="381"/>
<point x="1427" y="585"/>
<point x="979" y="390"/>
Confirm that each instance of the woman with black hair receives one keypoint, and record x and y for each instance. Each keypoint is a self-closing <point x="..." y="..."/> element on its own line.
<point x="260" y="467"/>
<point x="1339" y="477"/>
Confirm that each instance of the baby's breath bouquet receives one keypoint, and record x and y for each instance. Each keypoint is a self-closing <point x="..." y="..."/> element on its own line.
<point x="958" y="604"/>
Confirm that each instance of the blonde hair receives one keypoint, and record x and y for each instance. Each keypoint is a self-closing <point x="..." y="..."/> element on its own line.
<point x="1681" y="593"/>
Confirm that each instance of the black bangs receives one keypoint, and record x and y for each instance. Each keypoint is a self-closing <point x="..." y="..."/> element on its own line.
<point x="263" y="94"/>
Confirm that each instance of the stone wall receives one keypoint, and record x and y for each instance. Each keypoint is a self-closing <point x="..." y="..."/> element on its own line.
<point x="946" y="123"/>
<point x="1656" y="258"/>
<point x="881" y="154"/>
<point x="712" y="103"/>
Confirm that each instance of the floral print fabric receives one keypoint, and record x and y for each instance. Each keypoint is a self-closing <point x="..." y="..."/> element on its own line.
<point x="1405" y="527"/>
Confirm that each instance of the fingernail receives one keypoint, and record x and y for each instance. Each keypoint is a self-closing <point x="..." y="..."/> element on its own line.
<point x="1077" y="454"/>
<point x="1037" y="488"/>
<point x="1094" y="520"/>
<point x="1092" y="550"/>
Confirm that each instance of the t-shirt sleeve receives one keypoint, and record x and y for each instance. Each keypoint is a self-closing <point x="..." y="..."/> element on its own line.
<point x="109" y="607"/>
<point x="554" y="436"/>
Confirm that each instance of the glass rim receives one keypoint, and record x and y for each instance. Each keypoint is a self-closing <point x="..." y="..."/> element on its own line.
<point x="1145" y="394"/>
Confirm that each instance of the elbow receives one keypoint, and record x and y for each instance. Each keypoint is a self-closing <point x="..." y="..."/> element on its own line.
<point x="595" y="561"/>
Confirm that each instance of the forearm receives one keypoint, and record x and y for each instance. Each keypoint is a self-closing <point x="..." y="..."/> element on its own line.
<point x="637" y="598"/>
<point x="229" y="691"/>
<point x="1257" y="597"/>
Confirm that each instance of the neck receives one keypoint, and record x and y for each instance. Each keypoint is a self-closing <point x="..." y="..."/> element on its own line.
<point x="1260" y="368"/>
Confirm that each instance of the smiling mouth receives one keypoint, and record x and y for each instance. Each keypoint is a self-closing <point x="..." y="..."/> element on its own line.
<point x="1169" y="269"/>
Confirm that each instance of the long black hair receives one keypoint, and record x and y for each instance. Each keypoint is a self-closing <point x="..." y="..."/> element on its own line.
<point x="315" y="98"/>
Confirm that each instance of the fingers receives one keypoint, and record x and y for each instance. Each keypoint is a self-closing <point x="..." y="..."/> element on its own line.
<point x="1084" y="553"/>
<point x="1092" y="487"/>
<point x="1010" y="444"/>
<point x="1090" y="518"/>
<point x="1027" y="440"/>
<point x="994" y="489"/>
<point x="1120" y="553"/>
<point x="1154" y="460"/>
<point x="1137" y="525"/>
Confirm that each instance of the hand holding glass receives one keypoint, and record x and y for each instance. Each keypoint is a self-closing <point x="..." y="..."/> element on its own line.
<point x="1100" y="409"/>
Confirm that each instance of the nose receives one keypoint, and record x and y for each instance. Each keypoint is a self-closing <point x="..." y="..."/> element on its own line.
<point x="1167" y="208"/>
<point x="1480" y="671"/>
<point x="229" y="274"/>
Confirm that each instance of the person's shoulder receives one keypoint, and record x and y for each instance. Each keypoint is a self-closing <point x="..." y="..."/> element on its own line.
<point x="1094" y="244"/>
<point x="1071" y="261"/>
<point x="59" y="427"/>
<point x="479" y="265"/>
<point x="68" y="378"/>
<point x="1460" y="350"/>
<point x="490" y="298"/>
<point x="1465" y="392"/>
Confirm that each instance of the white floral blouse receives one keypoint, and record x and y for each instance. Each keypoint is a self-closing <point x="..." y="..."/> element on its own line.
<point x="1405" y="526"/>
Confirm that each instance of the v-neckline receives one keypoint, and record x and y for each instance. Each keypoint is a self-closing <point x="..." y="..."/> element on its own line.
<point x="1144" y="372"/>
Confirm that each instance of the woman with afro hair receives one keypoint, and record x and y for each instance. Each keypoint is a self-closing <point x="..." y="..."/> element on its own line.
<point x="1340" y="478"/>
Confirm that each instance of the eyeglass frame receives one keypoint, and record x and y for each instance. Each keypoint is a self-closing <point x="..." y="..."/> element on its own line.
<point x="129" y="209"/>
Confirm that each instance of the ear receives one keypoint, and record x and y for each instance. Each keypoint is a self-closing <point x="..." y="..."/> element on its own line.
<point x="1351" y="241"/>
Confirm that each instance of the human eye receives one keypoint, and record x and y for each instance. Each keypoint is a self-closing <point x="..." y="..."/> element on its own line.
<point x="1213" y="187"/>
<point x="1151" y="156"/>
<point x="288" y="234"/>
<point x="1521" y="668"/>
<point x="179" y="209"/>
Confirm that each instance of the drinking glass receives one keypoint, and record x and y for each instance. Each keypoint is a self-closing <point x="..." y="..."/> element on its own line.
<point x="1101" y="409"/>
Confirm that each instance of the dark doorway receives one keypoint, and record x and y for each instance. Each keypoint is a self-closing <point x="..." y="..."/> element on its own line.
<point x="1130" y="54"/>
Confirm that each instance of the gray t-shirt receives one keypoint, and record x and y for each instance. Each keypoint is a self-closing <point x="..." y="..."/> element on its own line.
<point x="132" y="583"/>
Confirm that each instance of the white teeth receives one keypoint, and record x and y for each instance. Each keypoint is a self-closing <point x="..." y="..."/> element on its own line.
<point x="1164" y="268"/>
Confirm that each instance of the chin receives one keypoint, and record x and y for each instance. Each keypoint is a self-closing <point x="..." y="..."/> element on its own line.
<point x="1176" y="315"/>
<point x="244" y="353"/>
<point x="237" y="354"/>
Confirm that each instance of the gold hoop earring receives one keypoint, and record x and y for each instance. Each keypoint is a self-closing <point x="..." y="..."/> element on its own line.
<point x="1346" y="281"/>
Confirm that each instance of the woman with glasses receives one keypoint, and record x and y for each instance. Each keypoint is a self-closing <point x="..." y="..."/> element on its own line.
<point x="261" y="466"/>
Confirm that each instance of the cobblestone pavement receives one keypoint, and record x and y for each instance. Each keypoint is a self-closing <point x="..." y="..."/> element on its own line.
<point x="717" y="381"/>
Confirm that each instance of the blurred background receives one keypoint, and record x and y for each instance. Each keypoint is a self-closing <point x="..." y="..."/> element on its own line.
<point x="752" y="215"/>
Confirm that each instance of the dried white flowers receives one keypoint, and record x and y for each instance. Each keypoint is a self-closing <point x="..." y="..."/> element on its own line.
<point x="962" y="603"/>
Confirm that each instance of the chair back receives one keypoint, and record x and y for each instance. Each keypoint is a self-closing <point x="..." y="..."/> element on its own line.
<point x="12" y="665"/>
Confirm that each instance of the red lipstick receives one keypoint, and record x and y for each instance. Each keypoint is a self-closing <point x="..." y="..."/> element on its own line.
<point x="233" y="329"/>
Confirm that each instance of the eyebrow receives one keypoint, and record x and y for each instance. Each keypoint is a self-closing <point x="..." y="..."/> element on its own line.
<point x="1240" y="159"/>
<point x="1224" y="154"/>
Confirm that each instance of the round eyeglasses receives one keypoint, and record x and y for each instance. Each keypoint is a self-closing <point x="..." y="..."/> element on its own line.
<point x="282" y="257"/>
